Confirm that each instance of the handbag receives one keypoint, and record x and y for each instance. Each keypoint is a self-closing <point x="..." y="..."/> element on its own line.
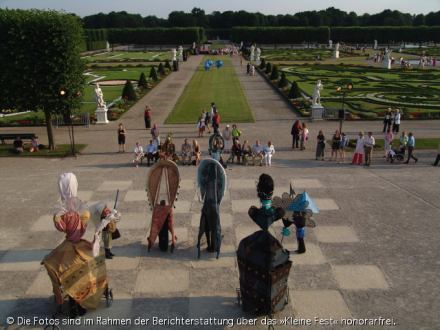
<point x="116" y="234"/>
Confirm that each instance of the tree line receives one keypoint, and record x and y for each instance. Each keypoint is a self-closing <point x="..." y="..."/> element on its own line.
<point x="228" y="19"/>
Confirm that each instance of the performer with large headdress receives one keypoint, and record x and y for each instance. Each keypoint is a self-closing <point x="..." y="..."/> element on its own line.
<point x="76" y="269"/>
<point x="263" y="263"/>
<point x="211" y="183"/>
<point x="162" y="187"/>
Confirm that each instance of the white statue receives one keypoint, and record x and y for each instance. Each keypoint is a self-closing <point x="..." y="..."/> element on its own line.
<point x="194" y="45"/>
<point x="252" y="53"/>
<point x="387" y="59"/>
<point x="258" y="55"/>
<point x="180" y="53"/>
<point x="99" y="97"/>
<point x="107" y="46"/>
<point x="174" y="52"/>
<point x="330" y="44"/>
<point x="316" y="97"/>
<point x="336" y="53"/>
<point x="375" y="44"/>
<point x="241" y="45"/>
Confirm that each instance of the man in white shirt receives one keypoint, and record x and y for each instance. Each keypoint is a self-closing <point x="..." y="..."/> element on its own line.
<point x="369" y="143"/>
<point x="258" y="152"/>
<point x="269" y="151"/>
<point x="151" y="152"/>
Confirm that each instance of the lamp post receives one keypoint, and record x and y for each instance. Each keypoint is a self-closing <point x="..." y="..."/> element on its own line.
<point x="342" y="90"/>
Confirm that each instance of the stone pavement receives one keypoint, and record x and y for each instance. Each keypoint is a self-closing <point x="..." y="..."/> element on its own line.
<point x="373" y="252"/>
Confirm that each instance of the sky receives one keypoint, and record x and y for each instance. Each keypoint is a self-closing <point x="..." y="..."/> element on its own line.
<point x="162" y="8"/>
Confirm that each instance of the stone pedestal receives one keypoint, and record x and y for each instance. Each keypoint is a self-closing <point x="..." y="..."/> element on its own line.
<point x="336" y="54"/>
<point x="317" y="112"/>
<point x="101" y="115"/>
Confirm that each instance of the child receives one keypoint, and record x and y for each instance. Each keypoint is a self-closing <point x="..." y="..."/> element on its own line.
<point x="344" y="144"/>
<point x="299" y="219"/>
<point x="201" y="126"/>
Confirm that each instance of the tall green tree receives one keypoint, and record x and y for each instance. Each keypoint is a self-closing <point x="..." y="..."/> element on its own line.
<point x="294" y="92"/>
<point x="128" y="92"/>
<point x="40" y="63"/>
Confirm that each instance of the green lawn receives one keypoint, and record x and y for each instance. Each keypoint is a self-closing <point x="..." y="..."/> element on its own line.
<point x="130" y="56"/>
<point x="62" y="150"/>
<point x="220" y="86"/>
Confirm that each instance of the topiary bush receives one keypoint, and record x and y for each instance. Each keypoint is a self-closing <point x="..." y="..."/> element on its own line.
<point x="128" y="93"/>
<point x="275" y="75"/>
<point x="153" y="74"/>
<point x="168" y="65"/>
<point x="263" y="64"/>
<point x="142" y="83"/>
<point x="282" y="83"/>
<point x="161" y="69"/>
<point x="268" y="68"/>
<point x="294" y="92"/>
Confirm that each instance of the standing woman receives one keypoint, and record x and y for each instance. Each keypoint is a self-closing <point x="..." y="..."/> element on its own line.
<point x="121" y="137"/>
<point x="227" y="136"/>
<point x="304" y="136"/>
<point x="295" y="133"/>
<point x="201" y="126"/>
<point x="344" y="144"/>
<point x="359" y="151"/>
<point x="320" y="146"/>
<point x="336" y="144"/>
<point x="388" y="140"/>
<point x="147" y="117"/>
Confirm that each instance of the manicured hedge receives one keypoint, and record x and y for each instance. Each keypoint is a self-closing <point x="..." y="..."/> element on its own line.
<point x="385" y="34"/>
<point x="145" y="36"/>
<point x="280" y="35"/>
<point x="224" y="34"/>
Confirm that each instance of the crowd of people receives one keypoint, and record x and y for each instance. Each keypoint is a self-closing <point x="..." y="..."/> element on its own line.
<point x="241" y="151"/>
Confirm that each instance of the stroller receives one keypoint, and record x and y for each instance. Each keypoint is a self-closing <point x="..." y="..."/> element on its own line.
<point x="394" y="154"/>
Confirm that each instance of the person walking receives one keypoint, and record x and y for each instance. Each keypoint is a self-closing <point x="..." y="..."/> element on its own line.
<point x="208" y="121"/>
<point x="295" y="131"/>
<point x="403" y="142"/>
<point x="147" y="117"/>
<point x="411" y="146"/>
<point x="388" y="141"/>
<point x="396" y="122"/>
<point x="216" y="121"/>
<point x="369" y="143"/>
<point x="437" y="160"/>
<point x="201" y="126"/>
<point x="304" y="136"/>
<point x="320" y="145"/>
<point x="121" y="137"/>
<point x="359" y="151"/>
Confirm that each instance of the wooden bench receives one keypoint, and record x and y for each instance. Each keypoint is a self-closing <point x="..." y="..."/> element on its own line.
<point x="14" y="136"/>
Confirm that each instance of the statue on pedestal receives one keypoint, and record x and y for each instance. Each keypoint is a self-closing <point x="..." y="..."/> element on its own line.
<point x="180" y="53"/>
<point x="375" y="44"/>
<point x="258" y="56"/>
<point x="316" y="97"/>
<point x="330" y="44"/>
<point x="387" y="59"/>
<point x="99" y="97"/>
<point x="336" y="53"/>
<point x="252" y="56"/>
<point x="174" y="54"/>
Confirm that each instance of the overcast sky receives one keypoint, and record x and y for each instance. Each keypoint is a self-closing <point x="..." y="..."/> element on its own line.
<point x="162" y="8"/>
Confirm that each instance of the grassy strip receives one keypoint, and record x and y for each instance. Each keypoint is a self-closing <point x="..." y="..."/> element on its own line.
<point x="216" y="85"/>
<point x="62" y="150"/>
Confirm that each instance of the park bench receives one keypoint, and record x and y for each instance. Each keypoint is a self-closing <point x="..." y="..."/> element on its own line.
<point x="13" y="136"/>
